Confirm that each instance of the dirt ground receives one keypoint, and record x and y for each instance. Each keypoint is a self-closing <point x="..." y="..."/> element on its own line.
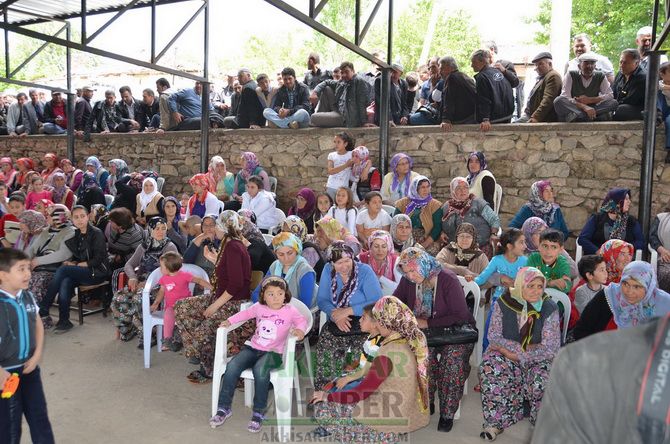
<point x="98" y="391"/>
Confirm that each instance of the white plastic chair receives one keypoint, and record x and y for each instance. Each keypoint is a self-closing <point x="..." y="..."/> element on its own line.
<point x="283" y="379"/>
<point x="497" y="198"/>
<point x="390" y="209"/>
<point x="281" y="217"/>
<point x="156" y="318"/>
<point x="268" y="239"/>
<point x="159" y="183"/>
<point x="558" y="296"/>
<point x="638" y="255"/>
<point x="273" y="184"/>
<point x="654" y="258"/>
<point x="109" y="199"/>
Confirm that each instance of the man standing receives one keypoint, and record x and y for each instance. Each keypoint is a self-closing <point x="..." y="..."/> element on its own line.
<point x="586" y="94"/>
<point x="290" y="106"/>
<point x="55" y="117"/>
<point x="507" y="69"/>
<point x="249" y="110"/>
<point x="629" y="87"/>
<point x="643" y="41"/>
<point x="315" y="75"/>
<point x="581" y="44"/>
<point x="164" y="92"/>
<point x="343" y="102"/>
<point x="399" y="110"/>
<point x="540" y="107"/>
<point x="495" y="99"/>
<point x="459" y="96"/>
<point x="82" y="110"/>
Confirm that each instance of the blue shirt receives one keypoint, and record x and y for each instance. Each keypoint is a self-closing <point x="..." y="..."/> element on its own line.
<point x="187" y="103"/>
<point x="502" y="266"/>
<point x="526" y="213"/>
<point x="368" y="290"/>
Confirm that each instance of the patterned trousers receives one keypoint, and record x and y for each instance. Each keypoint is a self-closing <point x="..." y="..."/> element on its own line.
<point x="331" y="352"/>
<point x="448" y="374"/>
<point x="336" y="419"/>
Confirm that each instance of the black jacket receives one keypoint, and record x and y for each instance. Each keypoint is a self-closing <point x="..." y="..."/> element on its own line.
<point x="495" y="99"/>
<point x="18" y="317"/>
<point x="397" y="99"/>
<point x="250" y="111"/>
<point x="146" y="113"/>
<point x="459" y="98"/>
<point x="95" y="120"/>
<point x="631" y="92"/>
<point x="301" y="99"/>
<point x="90" y="197"/>
<point x="313" y="79"/>
<point x="137" y="109"/>
<point x="126" y="196"/>
<point x="82" y="112"/>
<point x="355" y="94"/>
<point x="595" y="317"/>
<point x="90" y="248"/>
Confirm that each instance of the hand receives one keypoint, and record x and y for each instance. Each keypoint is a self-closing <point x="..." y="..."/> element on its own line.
<point x="104" y="132"/>
<point x="584" y="100"/>
<point x="210" y="255"/>
<point x="79" y="133"/>
<point x="134" y="125"/>
<point x="404" y="120"/>
<point x="446" y="126"/>
<point x="33" y="263"/>
<point x="68" y="263"/>
<point x="422" y="323"/>
<point x="469" y="277"/>
<point x="590" y="112"/>
<point x="344" y="324"/>
<point x="160" y="131"/>
<point x="4" y="376"/>
<point x="59" y="118"/>
<point x="299" y="334"/>
<point x="500" y="67"/>
<point x="283" y="112"/>
<point x="13" y="134"/>
<point x="664" y="254"/>
<point x="339" y="313"/>
<point x="485" y="126"/>
<point x="313" y="98"/>
<point x="558" y="283"/>
<point x="132" y="285"/>
<point x="506" y="281"/>
<point x="208" y="286"/>
<point x="211" y="310"/>
<point x="225" y="324"/>
<point x="444" y="238"/>
<point x="177" y="117"/>
<point x="30" y="364"/>
<point x="254" y="127"/>
<point x="341" y="382"/>
<point x="532" y="120"/>
<point x="319" y="397"/>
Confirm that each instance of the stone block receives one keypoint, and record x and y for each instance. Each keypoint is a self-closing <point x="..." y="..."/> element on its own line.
<point x="555" y="169"/>
<point x="605" y="171"/>
<point x="553" y="145"/>
<point x="594" y="141"/>
<point x="634" y="141"/>
<point x="568" y="144"/>
<point x="582" y="154"/>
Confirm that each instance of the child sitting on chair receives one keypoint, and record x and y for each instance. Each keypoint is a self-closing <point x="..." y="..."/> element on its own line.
<point x="174" y="286"/>
<point x="275" y="319"/>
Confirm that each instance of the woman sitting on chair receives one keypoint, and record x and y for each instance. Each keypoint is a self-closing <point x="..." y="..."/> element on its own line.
<point x="262" y="203"/>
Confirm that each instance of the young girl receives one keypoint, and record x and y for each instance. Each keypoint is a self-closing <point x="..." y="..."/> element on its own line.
<point x="339" y="163"/>
<point x="323" y="204"/>
<point x="374" y="218"/>
<point x="275" y="319"/>
<point x="174" y="286"/>
<point x="38" y="192"/>
<point x="343" y="210"/>
<point x="184" y="205"/>
<point x="360" y="170"/>
<point x="262" y="203"/>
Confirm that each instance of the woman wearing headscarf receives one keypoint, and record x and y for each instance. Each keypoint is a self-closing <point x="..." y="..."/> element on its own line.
<point x="293" y="268"/>
<point x="50" y="168"/>
<point x="436" y="298"/>
<point x="90" y="192"/>
<point x="362" y="174"/>
<point x="202" y="202"/>
<point x="123" y="237"/>
<point x="127" y="303"/>
<point x="424" y="212"/>
<point x="99" y="217"/>
<point x="305" y="204"/>
<point x="399" y="371"/>
<point x="88" y="266"/>
<point x="623" y="305"/>
<point x="261" y="255"/>
<point x="396" y="183"/>
<point x="60" y="193"/>
<point x="346" y="287"/>
<point x="659" y="240"/>
<point x="94" y="166"/>
<point x="149" y="202"/>
<point x="382" y="258"/>
<point x="612" y="221"/>
<point x="462" y="255"/>
<point x="73" y="176"/>
<point x="7" y="172"/>
<point x="481" y="181"/>
<point x="195" y="252"/>
<point x="127" y="189"/>
<point x="310" y="251"/>
<point x="48" y="250"/>
<point x="524" y="337"/>
<point x="24" y="166"/>
<point x="401" y="232"/>
<point x="118" y="168"/>
<point x="220" y="181"/>
<point x="541" y="204"/>
<point x="198" y="317"/>
<point x="463" y="206"/>
<point x="250" y="167"/>
<point x="172" y="210"/>
<point x="617" y="255"/>
<point x="31" y="224"/>
<point x="329" y="230"/>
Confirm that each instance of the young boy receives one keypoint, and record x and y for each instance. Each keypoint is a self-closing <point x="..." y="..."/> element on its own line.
<point x="549" y="261"/>
<point x="21" y="344"/>
<point x="593" y="270"/>
<point x="9" y="223"/>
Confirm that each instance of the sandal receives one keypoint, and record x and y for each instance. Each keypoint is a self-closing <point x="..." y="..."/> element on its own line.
<point x="198" y="377"/>
<point x="490" y="433"/>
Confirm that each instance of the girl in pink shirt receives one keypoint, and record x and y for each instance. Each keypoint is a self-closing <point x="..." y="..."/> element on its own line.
<point x="38" y="193"/>
<point x="275" y="320"/>
<point x="174" y="286"/>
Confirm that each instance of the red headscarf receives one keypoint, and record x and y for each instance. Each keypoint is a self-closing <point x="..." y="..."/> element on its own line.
<point x="201" y="180"/>
<point x="610" y="251"/>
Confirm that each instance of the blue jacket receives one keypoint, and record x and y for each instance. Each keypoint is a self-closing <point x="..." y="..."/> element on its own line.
<point x="525" y="213"/>
<point x="17" y="329"/>
<point x="367" y="292"/>
<point x="187" y="103"/>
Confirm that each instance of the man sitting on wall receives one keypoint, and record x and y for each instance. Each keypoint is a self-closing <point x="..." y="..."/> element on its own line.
<point x="629" y="87"/>
<point x="106" y="117"/>
<point x="18" y="123"/>
<point x="540" y="107"/>
<point x="149" y="117"/>
<point x="186" y="108"/>
<point x="495" y="99"/>
<point x="290" y="106"/>
<point x="459" y="96"/>
<point x="399" y="111"/>
<point x="249" y="113"/>
<point x="55" y="117"/>
<point x="130" y="108"/>
<point x="343" y="102"/>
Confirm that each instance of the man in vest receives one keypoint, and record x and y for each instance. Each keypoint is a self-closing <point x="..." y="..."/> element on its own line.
<point x="586" y="94"/>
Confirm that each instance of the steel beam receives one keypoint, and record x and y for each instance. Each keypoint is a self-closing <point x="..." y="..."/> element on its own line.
<point x="384" y="107"/>
<point x="88" y="49"/>
<point x="110" y="21"/>
<point x="389" y="42"/>
<point x="293" y="12"/>
<point x="7" y="69"/>
<point x="311" y="8"/>
<point x="204" y="120"/>
<point x="180" y="32"/>
<point x="357" y="22"/>
<point x="83" y="15"/>
<point x="153" y="31"/>
<point x="69" y="104"/>
<point x="661" y="38"/>
<point x="319" y="8"/>
<point x="368" y="23"/>
<point x="37" y="51"/>
<point x="7" y="3"/>
<point x="33" y="85"/>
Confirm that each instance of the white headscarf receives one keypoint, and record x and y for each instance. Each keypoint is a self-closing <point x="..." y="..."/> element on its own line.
<point x="145" y="199"/>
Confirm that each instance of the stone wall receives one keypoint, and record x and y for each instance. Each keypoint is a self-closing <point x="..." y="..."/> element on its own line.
<point x="581" y="160"/>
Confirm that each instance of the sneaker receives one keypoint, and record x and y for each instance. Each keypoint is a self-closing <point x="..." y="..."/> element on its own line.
<point x="220" y="417"/>
<point x="47" y="322"/>
<point x="198" y="377"/>
<point x="255" y="423"/>
<point x="294" y="125"/>
<point x="62" y="327"/>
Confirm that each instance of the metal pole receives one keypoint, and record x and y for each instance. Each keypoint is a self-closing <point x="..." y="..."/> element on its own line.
<point x="384" y="119"/>
<point x="83" y="21"/>
<point x="153" y="31"/>
<point x="7" y="70"/>
<point x="69" y="105"/>
<point x="389" y="51"/>
<point x="204" y="121"/>
<point x="357" y="24"/>
<point x="649" y="145"/>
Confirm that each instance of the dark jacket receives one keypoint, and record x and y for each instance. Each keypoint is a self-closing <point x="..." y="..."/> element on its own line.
<point x="137" y="109"/>
<point x="631" y="92"/>
<point x="250" y="111"/>
<point x="126" y="196"/>
<point x="595" y="317"/>
<point x="593" y="233"/>
<point x="146" y="113"/>
<point x="397" y="101"/>
<point x="95" y="121"/>
<point x="313" y="79"/>
<point x="90" y="197"/>
<point x="90" y="248"/>
<point x="541" y="99"/>
<point x="495" y="100"/>
<point x="510" y="72"/>
<point x="301" y="101"/>
<point x="18" y="317"/>
<point x="459" y="98"/>
<point x="356" y="99"/>
<point x="82" y="112"/>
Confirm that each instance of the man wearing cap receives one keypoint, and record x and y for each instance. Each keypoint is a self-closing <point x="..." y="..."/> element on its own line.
<point x="55" y="117"/>
<point x="586" y="95"/>
<point x="581" y="44"/>
<point x="540" y="106"/>
<point x="459" y="96"/>
<point x="82" y="110"/>
<point x="398" y="112"/>
<point x="343" y="102"/>
<point x="629" y="87"/>
<point x="495" y="99"/>
<point x="250" y="110"/>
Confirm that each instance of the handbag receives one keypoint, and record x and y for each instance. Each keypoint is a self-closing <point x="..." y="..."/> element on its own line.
<point x="453" y="335"/>
<point x="355" y="329"/>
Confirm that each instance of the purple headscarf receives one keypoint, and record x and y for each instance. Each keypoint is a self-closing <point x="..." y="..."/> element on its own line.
<point x="417" y="201"/>
<point x="395" y="185"/>
<point x="482" y="162"/>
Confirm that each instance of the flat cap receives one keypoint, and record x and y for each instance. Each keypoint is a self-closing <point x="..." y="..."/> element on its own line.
<point x="542" y="55"/>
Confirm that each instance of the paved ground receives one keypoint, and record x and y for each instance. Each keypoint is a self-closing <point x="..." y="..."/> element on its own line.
<point x="99" y="392"/>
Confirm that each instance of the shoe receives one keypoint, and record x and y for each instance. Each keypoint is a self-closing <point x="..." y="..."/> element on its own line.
<point x="194" y="360"/>
<point x="445" y="424"/>
<point x="198" y="377"/>
<point x="320" y="432"/>
<point x="432" y="408"/>
<point x="63" y="327"/>
<point x="220" y="417"/>
<point x="667" y="156"/>
<point x="176" y="346"/>
<point x="255" y="423"/>
<point x="47" y="322"/>
<point x="294" y="125"/>
<point x="166" y="345"/>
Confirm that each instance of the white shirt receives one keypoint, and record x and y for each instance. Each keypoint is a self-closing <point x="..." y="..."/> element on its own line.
<point x="378" y="223"/>
<point x="605" y="92"/>
<point x="346" y="218"/>
<point x="263" y="206"/>
<point x="340" y="179"/>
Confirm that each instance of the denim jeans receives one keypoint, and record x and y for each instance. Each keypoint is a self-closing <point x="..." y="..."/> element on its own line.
<point x="301" y="116"/>
<point x="261" y="363"/>
<point x="422" y="119"/>
<point x="28" y="401"/>
<point x="67" y="277"/>
<point x="52" y="128"/>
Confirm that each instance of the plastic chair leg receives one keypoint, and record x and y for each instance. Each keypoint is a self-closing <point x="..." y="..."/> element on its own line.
<point x="249" y="392"/>
<point x="283" y="410"/>
<point x="457" y="415"/>
<point x="216" y="388"/>
<point x="146" y="330"/>
<point x="159" y="337"/>
<point x="298" y="393"/>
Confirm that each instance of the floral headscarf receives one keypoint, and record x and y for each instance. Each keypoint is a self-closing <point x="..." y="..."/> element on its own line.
<point x="249" y="228"/>
<point x="385" y="268"/>
<point x="8" y="177"/>
<point x="121" y="167"/>
<point x="529" y="312"/>
<point x="212" y="176"/>
<point x="33" y="220"/>
<point x="613" y="203"/>
<point x="94" y="162"/>
<point x="416" y="201"/>
<point x="201" y="180"/>
<point x="230" y="223"/>
<point x="540" y="207"/>
<point x="363" y="154"/>
<point x="26" y="162"/>
<point x="397" y="220"/>
<point x="531" y="226"/>
<point x="610" y="251"/>
<point x="60" y="216"/>
<point x="151" y="244"/>
<point x="656" y="302"/>
<point x="453" y="205"/>
<point x="332" y="228"/>
<point x="336" y="251"/>
<point x="58" y="193"/>
<point x="310" y="203"/>
<point x="403" y="189"/>
<point x="251" y="163"/>
<point x="465" y="256"/>
<point x="297" y="226"/>
<point x="416" y="259"/>
<point x="393" y="314"/>
<point x="482" y="162"/>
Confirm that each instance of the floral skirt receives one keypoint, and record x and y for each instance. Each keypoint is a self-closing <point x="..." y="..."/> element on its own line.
<point x="127" y="311"/>
<point x="337" y="419"/>
<point x="664" y="276"/>
<point x="449" y="369"/>
<point x="331" y="354"/>
<point x="419" y="235"/>
<point x="39" y="283"/>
